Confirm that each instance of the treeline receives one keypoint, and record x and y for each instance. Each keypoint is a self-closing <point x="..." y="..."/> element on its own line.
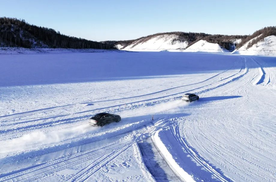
<point x="18" y="33"/>
<point x="258" y="36"/>
<point x="225" y="41"/>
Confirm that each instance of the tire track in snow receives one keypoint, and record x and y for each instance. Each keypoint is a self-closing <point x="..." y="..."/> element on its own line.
<point x="124" y="106"/>
<point x="83" y="134"/>
<point x="116" y="108"/>
<point x="196" y="157"/>
<point x="168" y="97"/>
<point x="43" y="122"/>
<point x="241" y="73"/>
<point x="263" y="78"/>
<point x="34" y="112"/>
<point x="91" y="169"/>
<point x="165" y="90"/>
<point x="37" y="171"/>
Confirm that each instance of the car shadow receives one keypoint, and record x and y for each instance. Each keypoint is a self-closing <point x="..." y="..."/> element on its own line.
<point x="216" y="98"/>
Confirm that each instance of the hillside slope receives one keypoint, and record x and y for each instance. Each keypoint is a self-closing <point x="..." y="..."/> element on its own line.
<point x="262" y="42"/>
<point x="18" y="33"/>
<point x="159" y="42"/>
<point x="180" y="41"/>
<point x="204" y="46"/>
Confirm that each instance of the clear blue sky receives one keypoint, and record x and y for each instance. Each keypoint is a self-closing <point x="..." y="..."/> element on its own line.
<point x="101" y="20"/>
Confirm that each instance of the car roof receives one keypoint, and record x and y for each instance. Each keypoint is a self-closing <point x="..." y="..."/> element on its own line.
<point x="102" y="114"/>
<point x="189" y="94"/>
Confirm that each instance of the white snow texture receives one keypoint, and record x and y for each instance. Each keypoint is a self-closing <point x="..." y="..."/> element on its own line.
<point x="48" y="96"/>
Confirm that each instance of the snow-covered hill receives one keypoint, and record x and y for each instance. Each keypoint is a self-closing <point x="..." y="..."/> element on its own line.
<point x="18" y="33"/>
<point x="204" y="46"/>
<point x="47" y="98"/>
<point x="262" y="42"/>
<point x="164" y="42"/>
<point x="265" y="47"/>
<point x="171" y="43"/>
<point x="180" y="41"/>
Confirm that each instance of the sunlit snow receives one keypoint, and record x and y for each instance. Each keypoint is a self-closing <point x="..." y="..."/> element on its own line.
<point x="266" y="47"/>
<point x="48" y="96"/>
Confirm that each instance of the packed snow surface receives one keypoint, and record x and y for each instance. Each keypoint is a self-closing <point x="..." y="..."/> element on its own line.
<point x="47" y="98"/>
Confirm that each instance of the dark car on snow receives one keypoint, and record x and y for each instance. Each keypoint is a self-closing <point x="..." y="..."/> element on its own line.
<point x="102" y="119"/>
<point x="190" y="97"/>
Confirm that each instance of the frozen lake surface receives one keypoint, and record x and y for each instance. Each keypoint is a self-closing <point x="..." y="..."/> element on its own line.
<point x="46" y="100"/>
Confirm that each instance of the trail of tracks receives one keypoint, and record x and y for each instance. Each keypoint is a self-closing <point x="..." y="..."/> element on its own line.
<point x="36" y="172"/>
<point x="187" y="149"/>
<point x="48" y="119"/>
<point x="215" y="174"/>
<point x="21" y="122"/>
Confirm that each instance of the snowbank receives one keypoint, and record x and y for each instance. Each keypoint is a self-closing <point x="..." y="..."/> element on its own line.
<point x="172" y="157"/>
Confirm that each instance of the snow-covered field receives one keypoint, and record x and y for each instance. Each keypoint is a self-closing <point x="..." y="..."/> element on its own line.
<point x="47" y="98"/>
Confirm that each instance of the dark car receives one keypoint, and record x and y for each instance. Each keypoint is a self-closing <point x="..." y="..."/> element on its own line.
<point x="190" y="97"/>
<point x="102" y="119"/>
